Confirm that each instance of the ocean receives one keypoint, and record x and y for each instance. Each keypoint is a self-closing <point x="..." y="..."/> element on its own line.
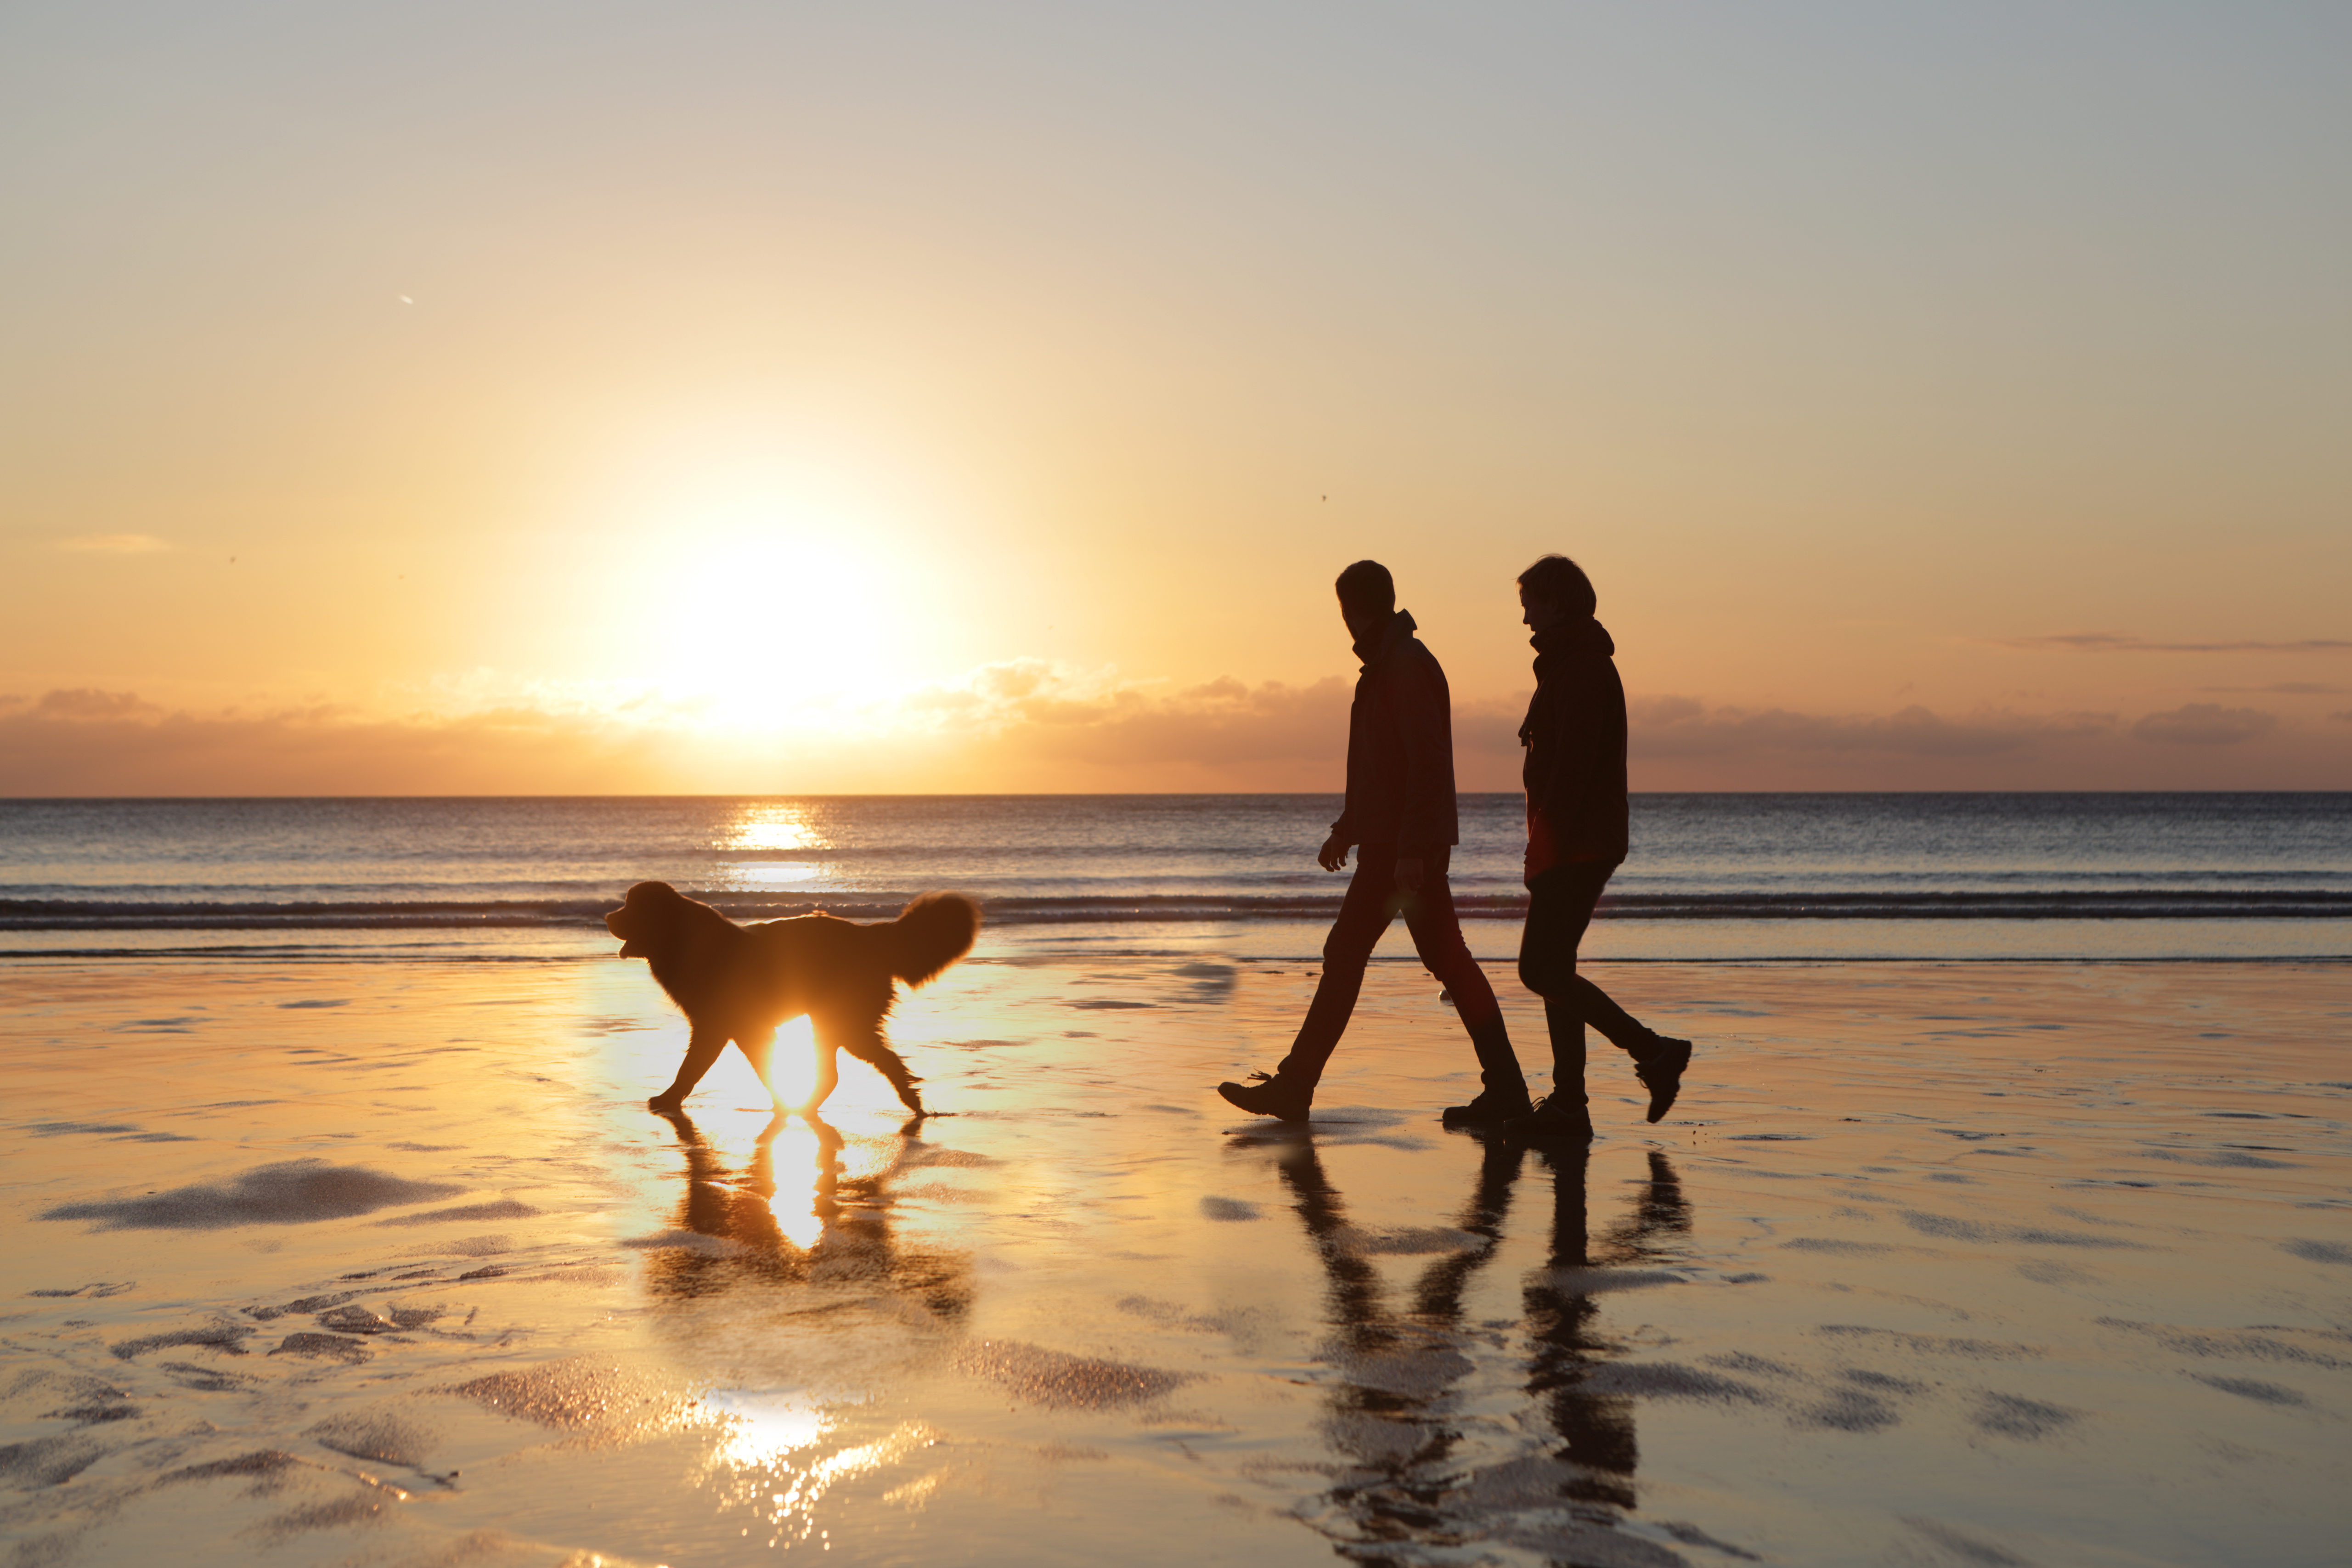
<point x="1711" y="876"/>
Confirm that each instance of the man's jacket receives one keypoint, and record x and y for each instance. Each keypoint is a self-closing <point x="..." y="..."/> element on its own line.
<point x="1400" y="746"/>
<point x="1575" y="737"/>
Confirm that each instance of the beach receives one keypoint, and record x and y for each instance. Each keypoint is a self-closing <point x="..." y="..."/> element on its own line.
<point x="386" y="1263"/>
<point x="1067" y="522"/>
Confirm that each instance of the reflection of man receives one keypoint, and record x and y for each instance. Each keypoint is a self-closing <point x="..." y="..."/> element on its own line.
<point x="1405" y="1441"/>
<point x="1401" y="819"/>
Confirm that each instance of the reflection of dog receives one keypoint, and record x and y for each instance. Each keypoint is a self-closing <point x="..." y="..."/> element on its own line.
<point x="739" y="982"/>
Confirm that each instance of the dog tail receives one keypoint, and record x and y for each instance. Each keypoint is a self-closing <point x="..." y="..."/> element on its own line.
<point x="931" y="933"/>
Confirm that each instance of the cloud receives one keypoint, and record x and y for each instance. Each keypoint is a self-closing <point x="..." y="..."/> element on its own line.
<point x="114" y="544"/>
<point x="2281" y="689"/>
<point x="87" y="703"/>
<point x="1059" y="729"/>
<point x="90" y="743"/>
<point x="2206" y="724"/>
<point x="1682" y="727"/>
<point x="2122" y="642"/>
<point x="1029" y="725"/>
<point x="1018" y="725"/>
<point x="1221" y="723"/>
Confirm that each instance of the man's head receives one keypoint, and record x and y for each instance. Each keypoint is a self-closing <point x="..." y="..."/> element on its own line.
<point x="1367" y="598"/>
<point x="1553" y="590"/>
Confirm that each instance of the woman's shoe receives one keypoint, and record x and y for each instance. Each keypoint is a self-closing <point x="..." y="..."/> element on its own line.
<point x="1556" y="1119"/>
<point x="1660" y="1072"/>
<point x="1491" y="1109"/>
<point x="1267" y="1094"/>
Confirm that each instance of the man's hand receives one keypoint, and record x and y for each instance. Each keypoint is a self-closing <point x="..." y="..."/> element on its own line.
<point x="1408" y="874"/>
<point x="1333" y="856"/>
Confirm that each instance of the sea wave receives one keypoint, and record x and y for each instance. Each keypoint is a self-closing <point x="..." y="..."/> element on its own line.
<point x="1826" y="904"/>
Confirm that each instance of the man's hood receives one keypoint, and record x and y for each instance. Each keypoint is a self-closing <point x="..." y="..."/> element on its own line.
<point x="1583" y="635"/>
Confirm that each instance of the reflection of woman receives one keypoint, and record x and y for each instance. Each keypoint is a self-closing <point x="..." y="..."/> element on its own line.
<point x="1396" y="1437"/>
<point x="1575" y="777"/>
<point x="1596" y="1430"/>
<point x="1392" y="1417"/>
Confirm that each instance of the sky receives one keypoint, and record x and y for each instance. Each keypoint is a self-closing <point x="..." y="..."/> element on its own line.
<point x="525" y="397"/>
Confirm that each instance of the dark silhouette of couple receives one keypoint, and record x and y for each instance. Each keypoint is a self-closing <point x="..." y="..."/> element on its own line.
<point x="1400" y="819"/>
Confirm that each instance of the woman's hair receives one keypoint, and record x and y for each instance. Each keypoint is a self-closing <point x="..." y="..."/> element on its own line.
<point x="1367" y="585"/>
<point x="1563" y="582"/>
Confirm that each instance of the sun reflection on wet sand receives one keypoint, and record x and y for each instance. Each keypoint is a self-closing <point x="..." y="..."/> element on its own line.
<point x="784" y="1496"/>
<point x="765" y="1461"/>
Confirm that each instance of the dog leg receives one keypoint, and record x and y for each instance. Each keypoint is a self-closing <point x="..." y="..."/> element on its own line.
<point x="757" y="1051"/>
<point x="865" y="1042"/>
<point x="828" y="1074"/>
<point x="702" y="1048"/>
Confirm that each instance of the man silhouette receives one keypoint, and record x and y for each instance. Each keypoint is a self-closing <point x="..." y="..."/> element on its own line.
<point x="1400" y="818"/>
<point x="1577" y="821"/>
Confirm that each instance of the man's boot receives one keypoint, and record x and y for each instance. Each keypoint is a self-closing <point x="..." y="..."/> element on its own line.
<point x="1503" y="1094"/>
<point x="1270" y="1094"/>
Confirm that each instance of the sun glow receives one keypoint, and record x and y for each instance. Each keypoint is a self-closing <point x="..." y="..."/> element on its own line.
<point x="791" y="1071"/>
<point x="767" y="610"/>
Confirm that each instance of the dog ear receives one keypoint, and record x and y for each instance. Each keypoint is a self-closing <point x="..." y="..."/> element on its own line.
<point x="651" y="892"/>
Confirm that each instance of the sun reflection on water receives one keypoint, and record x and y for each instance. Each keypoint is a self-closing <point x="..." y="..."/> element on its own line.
<point x="773" y="828"/>
<point x="765" y="873"/>
<point x="792" y="832"/>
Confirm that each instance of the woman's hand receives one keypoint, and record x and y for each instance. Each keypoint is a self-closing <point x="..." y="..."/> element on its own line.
<point x="1543" y="849"/>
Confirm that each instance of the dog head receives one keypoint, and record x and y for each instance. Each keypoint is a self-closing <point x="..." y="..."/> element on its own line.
<point x="647" y="912"/>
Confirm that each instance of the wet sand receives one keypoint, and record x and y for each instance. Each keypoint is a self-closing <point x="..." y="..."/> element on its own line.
<point x="1972" y="1264"/>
